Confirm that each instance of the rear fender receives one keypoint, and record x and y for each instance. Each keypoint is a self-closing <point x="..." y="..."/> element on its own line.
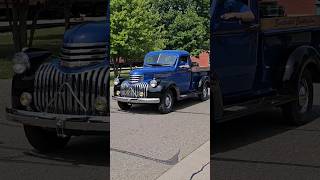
<point x="203" y="80"/>
<point x="301" y="58"/>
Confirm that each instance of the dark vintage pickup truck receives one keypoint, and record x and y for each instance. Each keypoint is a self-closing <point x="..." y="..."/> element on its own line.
<point x="167" y="76"/>
<point x="59" y="97"/>
<point x="272" y="60"/>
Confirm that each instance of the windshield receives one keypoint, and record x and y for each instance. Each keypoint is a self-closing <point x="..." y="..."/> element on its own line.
<point x="160" y="59"/>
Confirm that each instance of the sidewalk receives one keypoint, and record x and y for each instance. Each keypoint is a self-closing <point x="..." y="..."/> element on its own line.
<point x="194" y="167"/>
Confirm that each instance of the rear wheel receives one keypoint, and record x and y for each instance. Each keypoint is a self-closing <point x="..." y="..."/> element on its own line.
<point x="297" y="111"/>
<point x="166" y="102"/>
<point x="124" y="106"/>
<point x="44" y="140"/>
<point x="204" y="94"/>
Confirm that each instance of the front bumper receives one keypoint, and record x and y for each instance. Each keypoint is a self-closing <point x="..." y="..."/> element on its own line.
<point x="137" y="100"/>
<point x="61" y="122"/>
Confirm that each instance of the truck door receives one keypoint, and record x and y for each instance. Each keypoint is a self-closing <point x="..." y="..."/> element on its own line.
<point x="184" y="74"/>
<point x="234" y="45"/>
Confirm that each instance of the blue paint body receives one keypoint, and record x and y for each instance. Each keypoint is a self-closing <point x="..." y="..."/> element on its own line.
<point x="250" y="62"/>
<point x="184" y="79"/>
<point x="91" y="32"/>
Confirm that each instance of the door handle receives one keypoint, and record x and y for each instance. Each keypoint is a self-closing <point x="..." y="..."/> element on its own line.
<point x="253" y="27"/>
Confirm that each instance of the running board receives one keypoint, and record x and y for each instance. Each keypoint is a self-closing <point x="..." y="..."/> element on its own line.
<point x="253" y="106"/>
<point x="187" y="96"/>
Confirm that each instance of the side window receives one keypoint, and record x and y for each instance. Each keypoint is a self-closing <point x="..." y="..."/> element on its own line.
<point x="288" y="8"/>
<point x="183" y="60"/>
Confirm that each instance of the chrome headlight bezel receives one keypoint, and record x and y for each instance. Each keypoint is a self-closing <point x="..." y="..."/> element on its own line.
<point x="21" y="62"/>
<point x="153" y="83"/>
<point x="116" y="81"/>
<point x="25" y="99"/>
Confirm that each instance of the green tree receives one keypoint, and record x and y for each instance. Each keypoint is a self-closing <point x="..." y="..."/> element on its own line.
<point x="186" y="23"/>
<point x="134" y="30"/>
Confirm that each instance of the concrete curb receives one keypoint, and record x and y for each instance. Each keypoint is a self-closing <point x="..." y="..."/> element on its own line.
<point x="195" y="166"/>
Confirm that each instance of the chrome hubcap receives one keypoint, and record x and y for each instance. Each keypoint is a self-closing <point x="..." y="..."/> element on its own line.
<point x="205" y="91"/>
<point x="168" y="101"/>
<point x="303" y="96"/>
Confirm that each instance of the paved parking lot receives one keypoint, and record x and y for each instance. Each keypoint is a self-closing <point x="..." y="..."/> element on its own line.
<point x="264" y="147"/>
<point x="145" y="144"/>
<point x="85" y="158"/>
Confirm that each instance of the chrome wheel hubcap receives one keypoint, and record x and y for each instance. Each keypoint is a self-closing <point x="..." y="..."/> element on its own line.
<point x="303" y="96"/>
<point x="168" y="101"/>
<point x="205" y="91"/>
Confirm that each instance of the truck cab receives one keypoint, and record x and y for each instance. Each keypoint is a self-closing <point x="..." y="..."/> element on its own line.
<point x="271" y="60"/>
<point x="166" y="76"/>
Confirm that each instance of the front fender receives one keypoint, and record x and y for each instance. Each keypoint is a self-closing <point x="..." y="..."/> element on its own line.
<point x="298" y="60"/>
<point x="164" y="86"/>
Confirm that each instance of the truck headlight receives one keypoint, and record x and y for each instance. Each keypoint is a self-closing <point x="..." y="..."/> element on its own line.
<point x="101" y="104"/>
<point x="20" y="62"/>
<point x="153" y="83"/>
<point x="116" y="81"/>
<point x="25" y="99"/>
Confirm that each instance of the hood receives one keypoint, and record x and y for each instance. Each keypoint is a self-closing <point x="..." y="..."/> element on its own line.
<point x="92" y="32"/>
<point x="149" y="72"/>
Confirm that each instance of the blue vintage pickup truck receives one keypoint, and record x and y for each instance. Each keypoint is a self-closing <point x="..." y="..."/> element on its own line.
<point x="262" y="57"/>
<point x="58" y="97"/>
<point x="166" y="77"/>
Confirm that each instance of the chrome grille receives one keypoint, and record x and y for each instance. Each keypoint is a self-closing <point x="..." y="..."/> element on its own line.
<point x="133" y="90"/>
<point x="50" y="95"/>
<point x="135" y="78"/>
<point x="82" y="54"/>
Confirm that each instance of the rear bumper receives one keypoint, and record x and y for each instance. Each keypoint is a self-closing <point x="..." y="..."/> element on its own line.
<point x="137" y="100"/>
<point x="93" y="124"/>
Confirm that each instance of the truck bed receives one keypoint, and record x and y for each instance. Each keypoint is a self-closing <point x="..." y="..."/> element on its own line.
<point x="200" y="69"/>
<point x="285" y="23"/>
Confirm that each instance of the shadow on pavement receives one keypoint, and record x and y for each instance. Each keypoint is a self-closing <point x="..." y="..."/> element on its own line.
<point x="80" y="151"/>
<point x="247" y="130"/>
<point x="153" y="109"/>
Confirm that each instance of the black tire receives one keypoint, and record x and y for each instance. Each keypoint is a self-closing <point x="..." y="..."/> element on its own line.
<point x="124" y="106"/>
<point x="204" y="94"/>
<point x="166" y="102"/>
<point x="43" y="140"/>
<point x="297" y="112"/>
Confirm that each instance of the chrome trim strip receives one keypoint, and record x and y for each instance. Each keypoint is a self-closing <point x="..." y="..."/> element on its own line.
<point x="49" y="120"/>
<point x="137" y="100"/>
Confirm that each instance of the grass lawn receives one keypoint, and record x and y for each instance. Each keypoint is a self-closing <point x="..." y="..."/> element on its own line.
<point x="124" y="74"/>
<point x="49" y="38"/>
<point x="5" y="69"/>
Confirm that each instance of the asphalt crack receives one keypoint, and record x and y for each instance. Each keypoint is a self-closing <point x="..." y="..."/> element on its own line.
<point x="202" y="168"/>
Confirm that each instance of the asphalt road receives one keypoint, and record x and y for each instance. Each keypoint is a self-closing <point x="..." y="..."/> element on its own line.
<point x="85" y="158"/>
<point x="264" y="147"/>
<point x="145" y="144"/>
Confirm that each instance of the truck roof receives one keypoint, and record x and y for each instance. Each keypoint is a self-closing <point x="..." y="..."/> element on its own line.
<point x="177" y="52"/>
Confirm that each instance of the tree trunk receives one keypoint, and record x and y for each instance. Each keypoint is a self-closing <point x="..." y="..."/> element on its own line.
<point x="67" y="12"/>
<point x="18" y="22"/>
<point x="34" y="24"/>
